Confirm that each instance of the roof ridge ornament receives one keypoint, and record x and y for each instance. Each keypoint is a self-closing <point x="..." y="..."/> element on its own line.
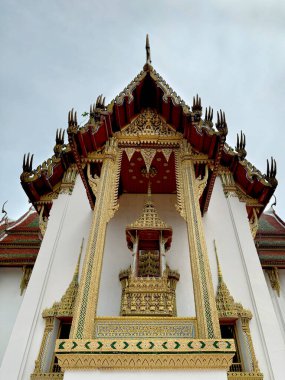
<point x="147" y="65"/>
<point x="3" y="209"/>
<point x="147" y="48"/>
<point x="240" y="146"/>
<point x="28" y="163"/>
<point x="271" y="172"/>
<point x="271" y="206"/>
<point x="5" y="218"/>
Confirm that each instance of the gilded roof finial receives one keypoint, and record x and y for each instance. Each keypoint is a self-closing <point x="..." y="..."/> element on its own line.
<point x="147" y="48"/>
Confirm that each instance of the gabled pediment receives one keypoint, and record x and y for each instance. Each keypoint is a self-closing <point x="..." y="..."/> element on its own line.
<point x="148" y="123"/>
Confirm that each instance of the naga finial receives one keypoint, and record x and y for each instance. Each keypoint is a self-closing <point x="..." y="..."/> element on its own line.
<point x="274" y="203"/>
<point x="147" y="48"/>
<point x="4" y="211"/>
<point x="271" y="172"/>
<point x="240" y="147"/>
<point x="221" y="123"/>
<point x="28" y="163"/>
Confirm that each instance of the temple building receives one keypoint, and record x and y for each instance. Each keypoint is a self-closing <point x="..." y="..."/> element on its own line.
<point x="147" y="249"/>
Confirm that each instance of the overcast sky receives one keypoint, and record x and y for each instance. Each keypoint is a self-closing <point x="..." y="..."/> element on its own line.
<point x="60" y="54"/>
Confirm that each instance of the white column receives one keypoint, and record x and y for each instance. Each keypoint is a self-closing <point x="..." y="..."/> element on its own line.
<point x="69" y="222"/>
<point x="263" y="311"/>
<point x="23" y="332"/>
<point x="278" y="301"/>
<point x="162" y="242"/>
<point x="10" y="301"/>
<point x="134" y="255"/>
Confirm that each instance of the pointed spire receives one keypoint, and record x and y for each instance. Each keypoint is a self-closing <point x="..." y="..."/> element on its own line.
<point x="76" y="272"/>
<point x="147" y="48"/>
<point x="226" y="306"/>
<point x="65" y="307"/>
<point x="149" y="218"/>
<point x="220" y="275"/>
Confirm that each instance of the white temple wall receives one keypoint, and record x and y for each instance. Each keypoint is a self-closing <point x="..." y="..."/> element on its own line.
<point x="69" y="222"/>
<point x="281" y="299"/>
<point x="149" y="375"/>
<point x="117" y="255"/>
<point x="226" y="222"/>
<point x="10" y="301"/>
<point x="278" y="301"/>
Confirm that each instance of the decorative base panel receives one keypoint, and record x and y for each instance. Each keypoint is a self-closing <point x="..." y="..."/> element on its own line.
<point x="144" y="353"/>
<point x="245" y="376"/>
<point x="46" y="376"/>
<point x="145" y="327"/>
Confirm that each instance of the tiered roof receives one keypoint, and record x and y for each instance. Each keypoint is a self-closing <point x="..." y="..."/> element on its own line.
<point x="148" y="90"/>
<point x="20" y="240"/>
<point x="270" y="240"/>
<point x="149" y="226"/>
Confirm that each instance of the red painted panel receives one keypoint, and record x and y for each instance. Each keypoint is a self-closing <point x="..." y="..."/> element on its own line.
<point x="134" y="181"/>
<point x="176" y="115"/>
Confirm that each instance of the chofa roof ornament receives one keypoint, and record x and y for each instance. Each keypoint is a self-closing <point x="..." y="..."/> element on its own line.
<point x="147" y="65"/>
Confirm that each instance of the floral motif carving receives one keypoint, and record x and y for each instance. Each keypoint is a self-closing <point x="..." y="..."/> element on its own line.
<point x="148" y="156"/>
<point x="148" y="123"/>
<point x="145" y="327"/>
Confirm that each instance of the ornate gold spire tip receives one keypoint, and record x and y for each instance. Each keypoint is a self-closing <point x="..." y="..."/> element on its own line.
<point x="149" y="218"/>
<point x="220" y="275"/>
